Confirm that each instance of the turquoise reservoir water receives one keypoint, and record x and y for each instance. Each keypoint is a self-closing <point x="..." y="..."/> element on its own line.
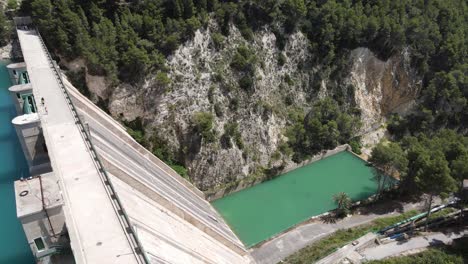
<point x="266" y="209"/>
<point x="14" y="247"/>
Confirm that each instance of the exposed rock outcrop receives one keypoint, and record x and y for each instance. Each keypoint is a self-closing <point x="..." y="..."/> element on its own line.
<point x="5" y="51"/>
<point x="202" y="80"/>
<point x="381" y="87"/>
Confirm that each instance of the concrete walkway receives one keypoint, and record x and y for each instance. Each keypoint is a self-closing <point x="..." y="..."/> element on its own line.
<point x="95" y="226"/>
<point x="280" y="247"/>
<point x="398" y="247"/>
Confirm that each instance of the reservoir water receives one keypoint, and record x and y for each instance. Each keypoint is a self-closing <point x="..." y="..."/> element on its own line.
<point x="259" y="212"/>
<point x="14" y="247"/>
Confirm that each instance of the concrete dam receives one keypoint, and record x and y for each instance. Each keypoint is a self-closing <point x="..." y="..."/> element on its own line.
<point x="95" y="195"/>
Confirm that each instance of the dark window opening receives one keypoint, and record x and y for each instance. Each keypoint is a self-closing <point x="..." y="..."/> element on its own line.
<point x="39" y="242"/>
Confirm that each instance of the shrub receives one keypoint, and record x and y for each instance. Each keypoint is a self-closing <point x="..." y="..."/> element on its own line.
<point x="231" y="130"/>
<point x="355" y="146"/>
<point x="244" y="59"/>
<point x="281" y="59"/>
<point x="162" y="79"/>
<point x="218" y="40"/>
<point x="203" y="123"/>
<point x="288" y="80"/>
<point x="246" y="82"/>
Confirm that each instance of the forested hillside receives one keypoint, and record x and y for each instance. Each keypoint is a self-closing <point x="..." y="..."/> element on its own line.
<point x="131" y="42"/>
<point x="126" y="39"/>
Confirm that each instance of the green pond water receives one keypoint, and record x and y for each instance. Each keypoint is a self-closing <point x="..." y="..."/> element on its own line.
<point x="14" y="247"/>
<point x="266" y="209"/>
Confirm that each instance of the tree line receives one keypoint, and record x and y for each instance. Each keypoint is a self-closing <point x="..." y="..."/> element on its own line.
<point x="117" y="35"/>
<point x="127" y="40"/>
<point x="435" y="164"/>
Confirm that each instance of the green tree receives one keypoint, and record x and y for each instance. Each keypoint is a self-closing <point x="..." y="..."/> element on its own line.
<point x="323" y="127"/>
<point x="12" y="4"/>
<point x="42" y="14"/>
<point x="433" y="177"/>
<point x="343" y="202"/>
<point x="459" y="168"/>
<point x="135" y="63"/>
<point x="4" y="29"/>
<point x="390" y="159"/>
<point x="294" y="10"/>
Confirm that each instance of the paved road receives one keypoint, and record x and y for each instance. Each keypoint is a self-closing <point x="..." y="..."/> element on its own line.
<point x="398" y="247"/>
<point x="347" y="250"/>
<point x="284" y="245"/>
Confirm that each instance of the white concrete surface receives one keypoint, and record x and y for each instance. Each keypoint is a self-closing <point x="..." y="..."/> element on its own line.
<point x="114" y="145"/>
<point x="95" y="230"/>
<point x="28" y="194"/>
<point x="25" y="119"/>
<point x="48" y="224"/>
<point x="168" y="238"/>
<point x="20" y="88"/>
<point x="165" y="233"/>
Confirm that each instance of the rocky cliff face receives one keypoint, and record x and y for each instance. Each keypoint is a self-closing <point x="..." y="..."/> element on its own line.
<point x="202" y="80"/>
<point x="381" y="87"/>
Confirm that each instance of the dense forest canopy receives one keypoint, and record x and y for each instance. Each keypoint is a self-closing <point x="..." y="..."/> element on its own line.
<point x="128" y="40"/>
<point x="118" y="36"/>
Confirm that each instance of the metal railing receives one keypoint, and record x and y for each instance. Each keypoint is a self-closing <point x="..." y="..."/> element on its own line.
<point x="116" y="202"/>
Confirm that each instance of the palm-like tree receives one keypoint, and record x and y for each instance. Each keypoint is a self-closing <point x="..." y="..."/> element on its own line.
<point x="343" y="201"/>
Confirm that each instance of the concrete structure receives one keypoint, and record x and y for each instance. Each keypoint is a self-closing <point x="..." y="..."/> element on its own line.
<point x="18" y="73"/>
<point x="27" y="124"/>
<point x="39" y="208"/>
<point x="32" y="141"/>
<point x="118" y="202"/>
<point x="126" y="160"/>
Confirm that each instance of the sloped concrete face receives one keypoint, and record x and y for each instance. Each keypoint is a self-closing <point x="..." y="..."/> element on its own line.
<point x="166" y="236"/>
<point x="173" y="220"/>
